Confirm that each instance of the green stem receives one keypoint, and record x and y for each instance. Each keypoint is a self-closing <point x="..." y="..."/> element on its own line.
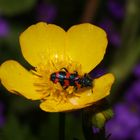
<point x="61" y="126"/>
<point x="87" y="125"/>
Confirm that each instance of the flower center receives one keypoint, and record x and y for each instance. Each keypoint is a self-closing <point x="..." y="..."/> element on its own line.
<point x="48" y="87"/>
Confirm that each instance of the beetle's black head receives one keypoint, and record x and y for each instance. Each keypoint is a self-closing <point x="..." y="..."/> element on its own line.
<point x="87" y="81"/>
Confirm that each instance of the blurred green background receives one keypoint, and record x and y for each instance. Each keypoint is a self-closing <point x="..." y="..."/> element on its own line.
<point x="22" y="119"/>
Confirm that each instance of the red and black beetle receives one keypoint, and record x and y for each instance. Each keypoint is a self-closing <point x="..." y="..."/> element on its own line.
<point x="67" y="79"/>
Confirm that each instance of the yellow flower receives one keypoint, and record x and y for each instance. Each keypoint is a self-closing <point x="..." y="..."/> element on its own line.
<point x="48" y="48"/>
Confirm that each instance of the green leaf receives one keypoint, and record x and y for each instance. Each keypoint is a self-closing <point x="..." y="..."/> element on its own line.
<point x="74" y="126"/>
<point x="15" y="7"/>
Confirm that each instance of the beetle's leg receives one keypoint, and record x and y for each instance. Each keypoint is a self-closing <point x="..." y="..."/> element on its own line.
<point x="92" y="88"/>
<point x="76" y="72"/>
<point x="75" y="88"/>
<point x="86" y="75"/>
<point x="65" y="87"/>
<point x="76" y="93"/>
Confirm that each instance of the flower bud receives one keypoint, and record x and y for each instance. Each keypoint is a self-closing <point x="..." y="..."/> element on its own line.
<point x="99" y="118"/>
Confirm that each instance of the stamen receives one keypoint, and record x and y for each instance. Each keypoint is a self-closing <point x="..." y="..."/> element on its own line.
<point x="54" y="91"/>
<point x="40" y="84"/>
<point x="35" y="73"/>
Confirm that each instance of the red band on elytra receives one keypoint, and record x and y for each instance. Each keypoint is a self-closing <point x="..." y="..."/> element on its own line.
<point x="66" y="82"/>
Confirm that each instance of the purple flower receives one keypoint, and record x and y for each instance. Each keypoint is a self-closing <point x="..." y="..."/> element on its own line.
<point x="4" y="28"/>
<point x="116" y="8"/>
<point x="46" y="12"/>
<point x="124" y="123"/>
<point x="127" y="116"/>
<point x="136" y="135"/>
<point x="116" y="130"/>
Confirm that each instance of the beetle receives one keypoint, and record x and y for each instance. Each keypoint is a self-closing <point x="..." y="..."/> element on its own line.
<point x="67" y="79"/>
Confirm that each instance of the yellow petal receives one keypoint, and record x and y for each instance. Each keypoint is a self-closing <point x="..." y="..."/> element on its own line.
<point x="18" y="80"/>
<point x="86" y="44"/>
<point x="101" y="89"/>
<point x="41" y="42"/>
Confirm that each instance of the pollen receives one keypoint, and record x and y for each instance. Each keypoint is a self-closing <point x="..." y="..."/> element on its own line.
<point x="54" y="91"/>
